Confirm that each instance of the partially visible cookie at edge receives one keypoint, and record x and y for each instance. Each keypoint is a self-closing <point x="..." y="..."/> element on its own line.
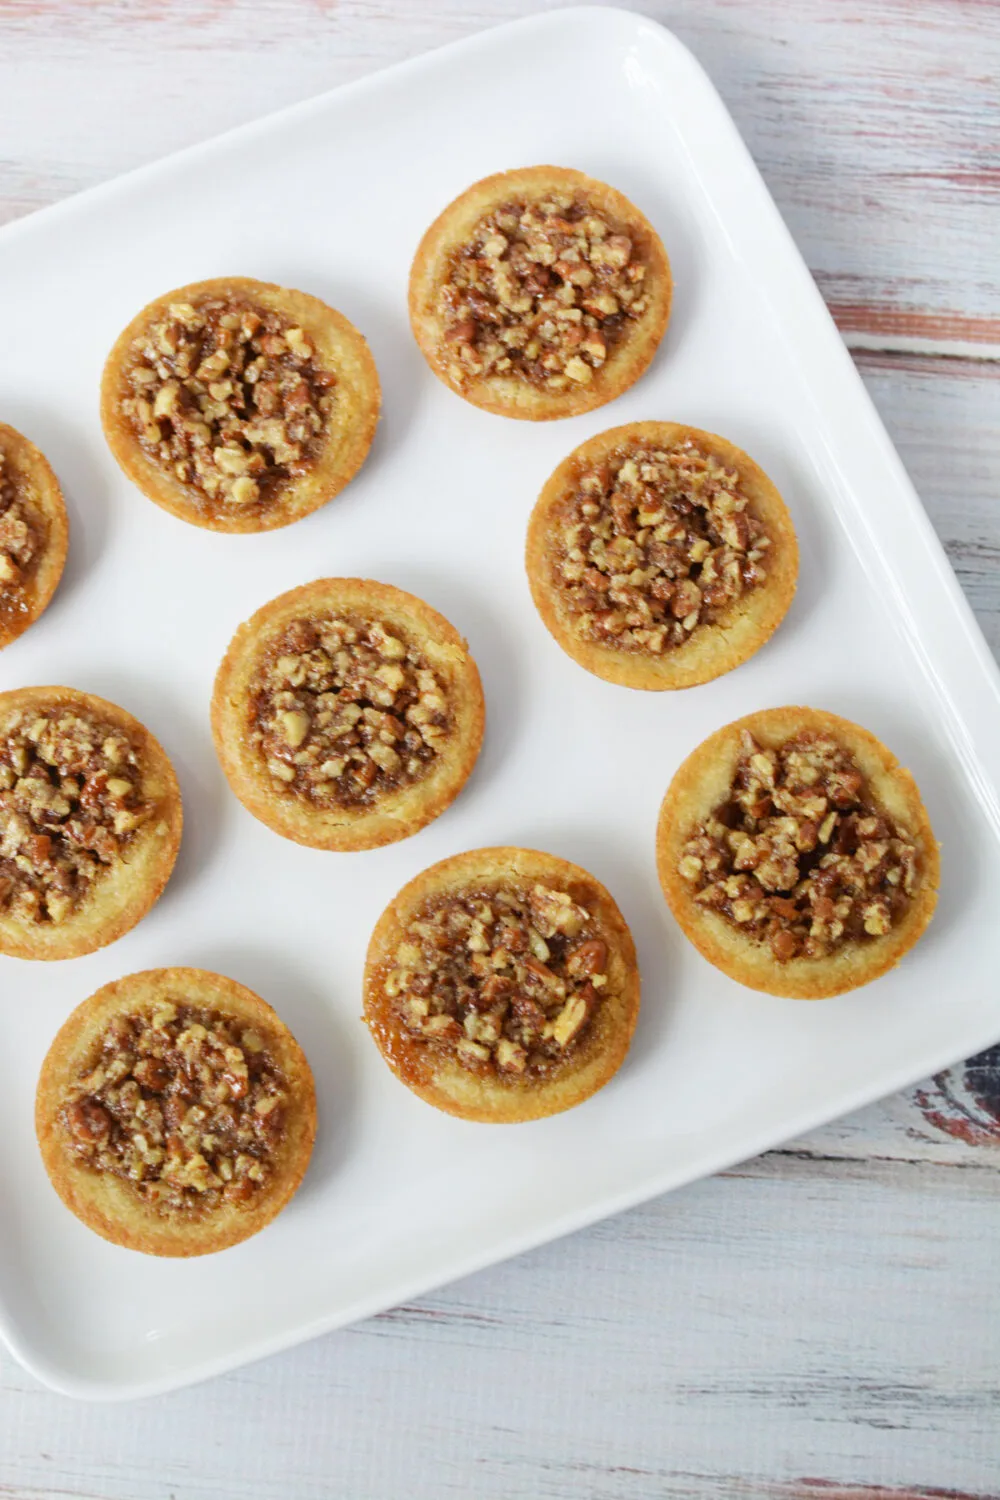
<point x="501" y="985"/>
<point x="660" y="556"/>
<point x="796" y="853"/>
<point x="347" y="714"/>
<point x="540" y="293"/>
<point x="90" y="822"/>
<point x="175" y="1112"/>
<point x="34" y="534"/>
<point x="239" y="405"/>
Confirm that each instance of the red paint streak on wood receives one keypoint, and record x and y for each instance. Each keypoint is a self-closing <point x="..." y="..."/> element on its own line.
<point x="829" y="1489"/>
<point x="985" y="178"/>
<point x="84" y="16"/>
<point x="964" y="1102"/>
<point x="954" y="1125"/>
<point x="896" y="362"/>
<point x="69" y="10"/>
<point x="900" y="322"/>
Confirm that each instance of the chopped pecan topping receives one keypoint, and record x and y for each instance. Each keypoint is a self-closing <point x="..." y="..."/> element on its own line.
<point x="346" y="709"/>
<point x="541" y="291"/>
<point x="801" y="856"/>
<point x="229" y="398"/>
<point x="508" y="979"/>
<point x="70" y="803"/>
<point x="182" y="1102"/>
<point x="650" y="544"/>
<point x="19" y="540"/>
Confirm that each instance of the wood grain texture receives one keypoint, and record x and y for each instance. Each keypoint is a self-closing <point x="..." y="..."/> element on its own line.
<point x="819" y="1323"/>
<point x="942" y="414"/>
<point x="874" y="125"/>
<point x="761" y="1327"/>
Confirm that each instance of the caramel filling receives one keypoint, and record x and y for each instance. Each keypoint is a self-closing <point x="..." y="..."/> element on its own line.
<point x="542" y="291"/>
<point x="650" y="544"/>
<point x="800" y="856"/>
<point x="228" y="398"/>
<point x="346" y="710"/>
<point x="506" y="979"/>
<point x="20" y="542"/>
<point x="71" y="801"/>
<point x="183" y="1103"/>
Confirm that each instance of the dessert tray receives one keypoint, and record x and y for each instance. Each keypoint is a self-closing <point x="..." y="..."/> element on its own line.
<point x="332" y="197"/>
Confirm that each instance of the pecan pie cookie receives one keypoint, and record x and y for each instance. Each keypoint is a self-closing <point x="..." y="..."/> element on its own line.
<point x="347" y="714"/>
<point x="540" y="293"/>
<point x="90" y="822"/>
<point x="501" y="985"/>
<point x="660" y="556"/>
<point x="175" y="1112"/>
<point x="796" y="854"/>
<point x="34" y="534"/>
<point x="238" y="405"/>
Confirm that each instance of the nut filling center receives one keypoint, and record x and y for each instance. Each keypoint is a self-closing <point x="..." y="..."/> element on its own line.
<point x="541" y="291"/>
<point x="801" y="856"/>
<point x="346" y="710"/>
<point x="19" y="540"/>
<point x="229" y="398"/>
<point x="507" y="980"/>
<point x="70" y="805"/>
<point x="650" y="544"/>
<point x="182" y="1102"/>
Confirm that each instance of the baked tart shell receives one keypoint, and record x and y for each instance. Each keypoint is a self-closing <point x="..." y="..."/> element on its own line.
<point x="344" y="445"/>
<point x="105" y="1203"/>
<point x="48" y="515"/>
<point x="401" y="812"/>
<point x="714" y="648"/>
<point x="128" y="890"/>
<point x="443" y="1081"/>
<point x="505" y="395"/>
<point x="703" y="782"/>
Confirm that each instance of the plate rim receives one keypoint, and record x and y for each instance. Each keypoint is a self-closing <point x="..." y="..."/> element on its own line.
<point x="66" y="1381"/>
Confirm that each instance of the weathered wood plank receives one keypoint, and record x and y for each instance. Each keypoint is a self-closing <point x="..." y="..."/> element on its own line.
<point x="750" y="1330"/>
<point x="875" y="126"/>
<point x="865" y="324"/>
<point x="828" y="1310"/>
<point x="942" y="416"/>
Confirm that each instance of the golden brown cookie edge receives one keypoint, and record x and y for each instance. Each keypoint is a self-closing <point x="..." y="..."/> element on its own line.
<point x="53" y="507"/>
<point x="105" y="1205"/>
<point x="347" y="442"/>
<point x="713" y="649"/>
<point x="508" y="397"/>
<point x="454" y="1089"/>
<point x="411" y="809"/>
<point x="703" y="780"/>
<point x="106" y="918"/>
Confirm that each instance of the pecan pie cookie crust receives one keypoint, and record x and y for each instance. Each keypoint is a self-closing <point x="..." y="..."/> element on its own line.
<point x="540" y="293"/>
<point x="796" y="853"/>
<point x="34" y="534"/>
<point x="501" y="985"/>
<point x="347" y="714"/>
<point x="660" y="556"/>
<point x="175" y="1112"/>
<point x="90" y="822"/>
<point x="238" y="405"/>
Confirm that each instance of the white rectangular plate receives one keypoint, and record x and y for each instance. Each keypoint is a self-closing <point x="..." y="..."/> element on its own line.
<point x="332" y="197"/>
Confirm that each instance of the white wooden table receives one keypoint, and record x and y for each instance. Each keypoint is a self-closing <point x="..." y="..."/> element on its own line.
<point x="823" y="1322"/>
